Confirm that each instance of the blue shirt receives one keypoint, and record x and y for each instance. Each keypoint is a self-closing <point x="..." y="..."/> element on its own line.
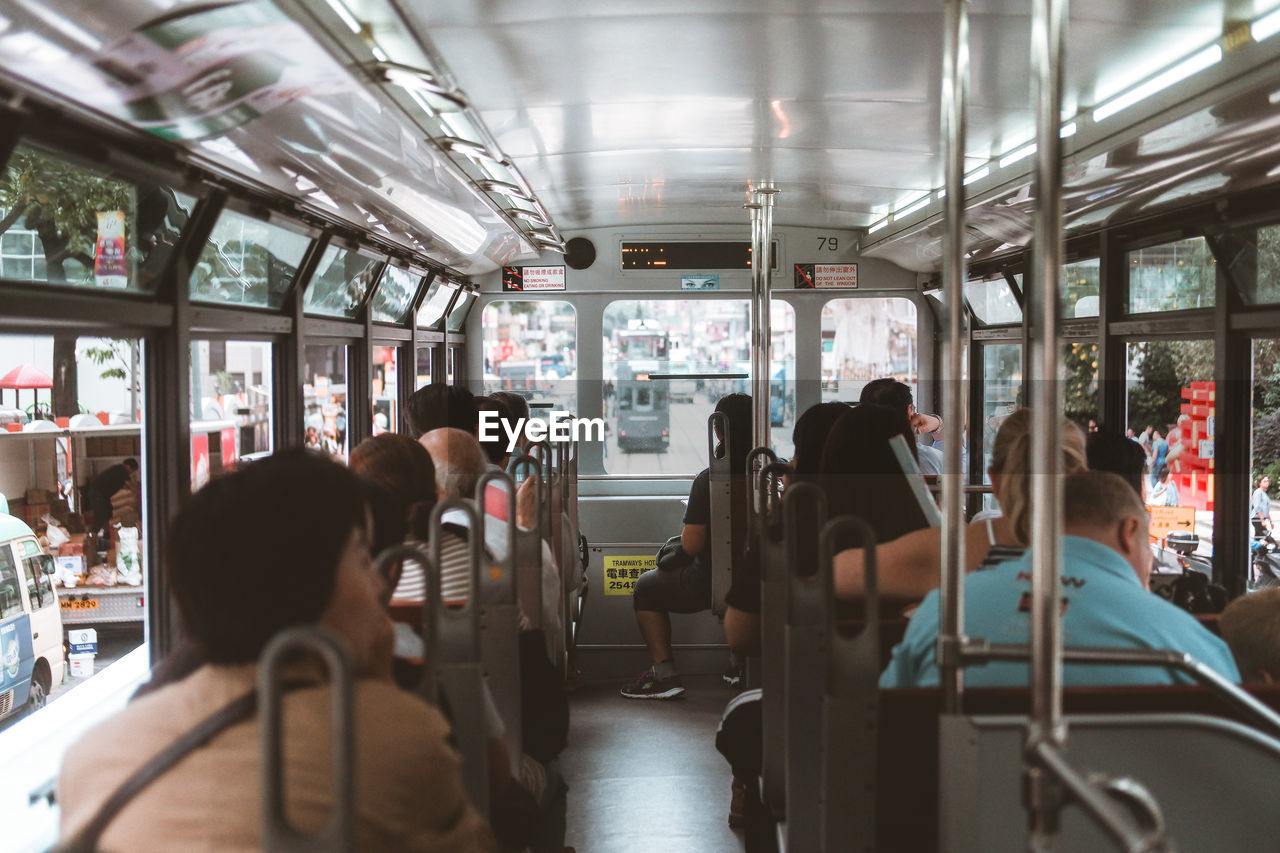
<point x="1104" y="605"/>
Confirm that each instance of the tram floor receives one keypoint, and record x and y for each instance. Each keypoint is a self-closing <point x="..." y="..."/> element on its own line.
<point x="644" y="775"/>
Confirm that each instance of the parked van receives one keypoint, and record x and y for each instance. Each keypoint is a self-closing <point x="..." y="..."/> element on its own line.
<point x="30" y="619"/>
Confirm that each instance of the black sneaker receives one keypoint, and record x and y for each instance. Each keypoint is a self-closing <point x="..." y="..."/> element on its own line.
<point x="733" y="675"/>
<point x="648" y="686"/>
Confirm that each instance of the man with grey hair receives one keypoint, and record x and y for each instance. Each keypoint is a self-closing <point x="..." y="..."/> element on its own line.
<point x="1251" y="627"/>
<point x="1105" y="602"/>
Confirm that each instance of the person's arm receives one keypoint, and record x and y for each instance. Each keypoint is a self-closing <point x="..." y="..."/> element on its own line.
<point x="924" y="424"/>
<point x="909" y="566"/>
<point x="693" y="538"/>
<point x="742" y="630"/>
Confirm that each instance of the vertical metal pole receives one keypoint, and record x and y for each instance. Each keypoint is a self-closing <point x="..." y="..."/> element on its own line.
<point x="762" y="264"/>
<point x="955" y="93"/>
<point x="1048" y="24"/>
<point x="759" y="412"/>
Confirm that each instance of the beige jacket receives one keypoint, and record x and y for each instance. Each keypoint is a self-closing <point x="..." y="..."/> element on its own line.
<point x="408" y="791"/>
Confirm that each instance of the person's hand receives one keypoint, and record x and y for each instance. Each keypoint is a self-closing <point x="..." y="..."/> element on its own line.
<point x="526" y="504"/>
<point x="922" y="423"/>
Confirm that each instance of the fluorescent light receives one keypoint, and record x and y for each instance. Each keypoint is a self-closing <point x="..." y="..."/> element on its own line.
<point x="1266" y="26"/>
<point x="1206" y="58"/>
<point x="907" y="211"/>
<point x="977" y="176"/>
<point x="1068" y="129"/>
<point x="1018" y="154"/>
<point x="340" y="9"/>
<point x="379" y="54"/>
<point x="879" y="226"/>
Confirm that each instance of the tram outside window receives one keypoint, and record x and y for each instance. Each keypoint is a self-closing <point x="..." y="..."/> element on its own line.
<point x="394" y="295"/>
<point x="61" y="223"/>
<point x="1264" y="289"/>
<point x="74" y="417"/>
<point x="1080" y="288"/>
<point x="992" y="301"/>
<point x="1265" y="459"/>
<point x="247" y="262"/>
<point x="458" y="315"/>
<point x="659" y="426"/>
<point x="426" y="357"/>
<point x="324" y="392"/>
<point x="1170" y="391"/>
<point x="867" y="338"/>
<point x="341" y="282"/>
<point x="1080" y="382"/>
<point x="386" y="389"/>
<point x="531" y="348"/>
<point x="1172" y="277"/>
<point x="1002" y="395"/>
<point x="231" y="405"/>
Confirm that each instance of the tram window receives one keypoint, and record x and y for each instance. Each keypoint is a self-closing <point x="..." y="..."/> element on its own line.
<point x="64" y="224"/>
<point x="426" y="356"/>
<point x="531" y="347"/>
<point x="431" y="314"/>
<point x="325" y="392"/>
<point x="80" y="422"/>
<point x="1266" y="289"/>
<point x="1080" y="387"/>
<point x="247" y="262"/>
<point x="386" y="390"/>
<point x="394" y="295"/>
<point x="992" y="301"/>
<point x="1171" y="392"/>
<point x="341" y="282"/>
<point x="1266" y="441"/>
<point x="1172" y="277"/>
<point x="461" y="308"/>
<point x="231" y="405"/>
<point x="1001" y="396"/>
<point x="658" y="426"/>
<point x="1080" y="288"/>
<point x="864" y="339"/>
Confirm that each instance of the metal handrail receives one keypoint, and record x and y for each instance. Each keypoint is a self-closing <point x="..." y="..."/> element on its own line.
<point x="277" y="832"/>
<point x="756" y="464"/>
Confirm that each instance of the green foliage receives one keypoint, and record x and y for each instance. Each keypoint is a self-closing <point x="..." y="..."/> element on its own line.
<point x="117" y="356"/>
<point x="1164" y="368"/>
<point x="1080" y="394"/>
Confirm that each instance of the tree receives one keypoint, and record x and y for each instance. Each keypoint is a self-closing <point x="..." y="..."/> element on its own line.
<point x="60" y="203"/>
<point x="1164" y="368"/>
<point x="121" y="359"/>
<point x="1080" y="394"/>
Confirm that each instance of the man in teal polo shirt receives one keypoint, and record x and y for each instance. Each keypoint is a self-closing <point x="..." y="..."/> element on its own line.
<point x="1105" y="563"/>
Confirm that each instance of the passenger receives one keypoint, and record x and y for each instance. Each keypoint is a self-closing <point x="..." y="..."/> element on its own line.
<point x="686" y="588"/>
<point x="916" y="559"/>
<point x="897" y="395"/>
<point x="1108" y="451"/>
<point x="439" y="405"/>
<point x="518" y="410"/>
<point x="1251" y="627"/>
<point x="495" y="448"/>
<point x="1105" y="602"/>
<point x="293" y="529"/>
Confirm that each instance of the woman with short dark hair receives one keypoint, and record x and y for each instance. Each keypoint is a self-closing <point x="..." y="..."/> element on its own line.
<point x="280" y="543"/>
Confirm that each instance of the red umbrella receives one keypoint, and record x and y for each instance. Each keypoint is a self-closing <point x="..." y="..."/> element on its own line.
<point x="25" y="376"/>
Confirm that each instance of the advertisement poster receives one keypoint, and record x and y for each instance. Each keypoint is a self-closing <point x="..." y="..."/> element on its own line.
<point x="621" y="573"/>
<point x="110" y="265"/>
<point x="699" y="282"/>
<point x="15" y="647"/>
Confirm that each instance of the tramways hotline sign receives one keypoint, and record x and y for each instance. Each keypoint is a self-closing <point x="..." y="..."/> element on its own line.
<point x="532" y="279"/>
<point x="810" y="276"/>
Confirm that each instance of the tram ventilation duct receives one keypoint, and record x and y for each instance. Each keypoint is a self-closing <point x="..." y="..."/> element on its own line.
<point x="340" y="109"/>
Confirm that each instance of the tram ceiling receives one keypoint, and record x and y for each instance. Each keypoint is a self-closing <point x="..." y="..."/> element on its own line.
<point x="666" y="114"/>
<point x="270" y="96"/>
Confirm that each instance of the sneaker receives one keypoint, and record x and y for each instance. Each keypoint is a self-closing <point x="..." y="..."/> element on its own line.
<point x="649" y="686"/>
<point x="733" y="675"/>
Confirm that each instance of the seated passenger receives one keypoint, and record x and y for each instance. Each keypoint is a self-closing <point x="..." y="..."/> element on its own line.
<point x="439" y="405"/>
<point x="276" y="544"/>
<point x="1105" y="602"/>
<point x="686" y="587"/>
<point x="993" y="536"/>
<point x="1251" y="627"/>
<point x="897" y="396"/>
<point x="1109" y="451"/>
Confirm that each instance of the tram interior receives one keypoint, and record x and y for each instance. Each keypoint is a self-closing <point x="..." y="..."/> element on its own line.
<point x="231" y="229"/>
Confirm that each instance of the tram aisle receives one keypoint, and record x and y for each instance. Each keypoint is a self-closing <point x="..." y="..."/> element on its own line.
<point x="645" y="775"/>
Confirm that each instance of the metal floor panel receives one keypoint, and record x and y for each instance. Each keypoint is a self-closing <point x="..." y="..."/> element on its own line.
<point x="644" y="775"/>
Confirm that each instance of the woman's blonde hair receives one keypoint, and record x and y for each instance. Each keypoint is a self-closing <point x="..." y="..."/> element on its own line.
<point x="1011" y="459"/>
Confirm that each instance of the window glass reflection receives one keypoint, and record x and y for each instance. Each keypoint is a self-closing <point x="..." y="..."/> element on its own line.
<point x="247" y="262"/>
<point x="1172" y="277"/>
<point x="341" y="282"/>
<point x="394" y="295"/>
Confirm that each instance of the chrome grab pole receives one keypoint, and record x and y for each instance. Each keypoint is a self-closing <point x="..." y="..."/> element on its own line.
<point x="955" y="94"/>
<point x="1048" y="25"/>
<point x="761" y="281"/>
<point x="757" y="284"/>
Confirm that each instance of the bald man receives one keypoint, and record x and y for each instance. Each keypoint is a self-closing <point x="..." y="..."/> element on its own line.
<point x="1105" y="602"/>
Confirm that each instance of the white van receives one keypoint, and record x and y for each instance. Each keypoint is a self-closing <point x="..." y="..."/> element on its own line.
<point x="30" y="619"/>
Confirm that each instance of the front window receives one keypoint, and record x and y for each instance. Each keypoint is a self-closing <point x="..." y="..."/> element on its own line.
<point x="531" y="348"/>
